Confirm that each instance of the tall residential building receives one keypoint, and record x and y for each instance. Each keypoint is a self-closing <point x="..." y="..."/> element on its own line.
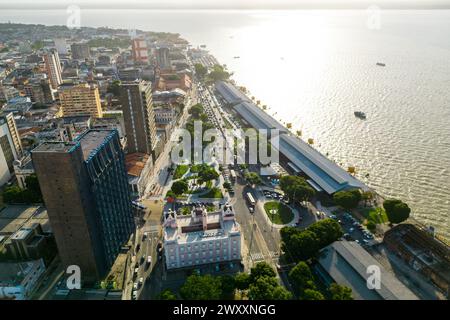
<point x="162" y="57"/>
<point x="137" y="107"/>
<point x="53" y="68"/>
<point x="80" y="51"/>
<point x="139" y="50"/>
<point x="85" y="188"/>
<point x="8" y="93"/>
<point x="80" y="100"/>
<point x="10" y="147"/>
<point x="202" y="237"/>
<point x="61" y="45"/>
<point x="39" y="91"/>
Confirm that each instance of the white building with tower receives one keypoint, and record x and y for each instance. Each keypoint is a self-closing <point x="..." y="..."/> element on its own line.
<point x="201" y="237"/>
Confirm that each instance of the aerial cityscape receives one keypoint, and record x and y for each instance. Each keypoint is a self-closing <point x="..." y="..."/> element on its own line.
<point x="254" y="162"/>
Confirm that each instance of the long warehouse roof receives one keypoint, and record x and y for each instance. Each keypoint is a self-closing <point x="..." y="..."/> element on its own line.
<point x="324" y="172"/>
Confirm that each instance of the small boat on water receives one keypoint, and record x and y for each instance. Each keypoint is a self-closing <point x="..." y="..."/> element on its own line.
<point x="380" y="64"/>
<point x="360" y="114"/>
<point x="236" y="57"/>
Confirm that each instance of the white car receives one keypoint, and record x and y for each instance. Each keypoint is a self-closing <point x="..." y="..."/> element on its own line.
<point x="149" y="259"/>
<point x="136" y="286"/>
<point x="141" y="281"/>
<point x="135" y="295"/>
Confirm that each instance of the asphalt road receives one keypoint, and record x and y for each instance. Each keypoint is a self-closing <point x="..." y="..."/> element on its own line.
<point x="139" y="260"/>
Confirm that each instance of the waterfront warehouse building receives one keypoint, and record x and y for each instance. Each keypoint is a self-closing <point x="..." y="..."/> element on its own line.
<point x="201" y="237"/>
<point x="322" y="173"/>
<point x="85" y="188"/>
<point x="347" y="263"/>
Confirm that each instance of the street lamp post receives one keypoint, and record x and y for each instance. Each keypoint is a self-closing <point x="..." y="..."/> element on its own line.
<point x="272" y="212"/>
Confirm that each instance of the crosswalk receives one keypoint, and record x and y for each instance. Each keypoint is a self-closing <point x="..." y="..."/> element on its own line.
<point x="258" y="256"/>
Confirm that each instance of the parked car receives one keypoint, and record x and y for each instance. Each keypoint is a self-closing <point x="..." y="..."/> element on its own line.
<point x="134" y="295"/>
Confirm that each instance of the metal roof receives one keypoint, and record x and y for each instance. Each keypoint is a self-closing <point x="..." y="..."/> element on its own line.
<point x="230" y="93"/>
<point x="324" y="172"/>
<point x="346" y="262"/>
<point x="327" y="174"/>
<point x="257" y="118"/>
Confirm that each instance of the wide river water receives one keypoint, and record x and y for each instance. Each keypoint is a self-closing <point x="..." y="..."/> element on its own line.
<point x="315" y="68"/>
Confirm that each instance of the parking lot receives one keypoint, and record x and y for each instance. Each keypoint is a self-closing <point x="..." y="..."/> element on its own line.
<point x="353" y="230"/>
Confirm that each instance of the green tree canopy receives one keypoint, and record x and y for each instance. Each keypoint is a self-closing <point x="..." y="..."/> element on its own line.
<point x="196" y="110"/>
<point x="228" y="286"/>
<point x="396" y="210"/>
<point x="310" y="294"/>
<point x="208" y="174"/>
<point x="347" y="199"/>
<point x="31" y="194"/>
<point x="204" y="287"/>
<point x="179" y="187"/>
<point x="339" y="292"/>
<point x="305" y="244"/>
<point x="267" y="288"/>
<point x="114" y="88"/>
<point x="218" y="73"/>
<point x="296" y="188"/>
<point x="253" y="178"/>
<point x="301" y="277"/>
<point x="242" y="281"/>
<point x="167" y="295"/>
<point x="327" y="231"/>
<point x="200" y="70"/>
<point x="261" y="269"/>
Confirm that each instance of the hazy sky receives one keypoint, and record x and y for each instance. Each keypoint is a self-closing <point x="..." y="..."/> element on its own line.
<point x="222" y="4"/>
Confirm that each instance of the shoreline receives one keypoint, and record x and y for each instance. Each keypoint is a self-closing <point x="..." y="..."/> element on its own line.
<point x="439" y="236"/>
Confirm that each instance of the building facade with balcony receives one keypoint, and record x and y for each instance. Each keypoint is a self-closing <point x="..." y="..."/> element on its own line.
<point x="201" y="237"/>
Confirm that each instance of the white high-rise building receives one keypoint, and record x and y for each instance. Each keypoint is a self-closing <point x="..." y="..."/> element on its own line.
<point x="201" y="237"/>
<point x="61" y="45"/>
<point x="53" y="68"/>
<point x="10" y="147"/>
